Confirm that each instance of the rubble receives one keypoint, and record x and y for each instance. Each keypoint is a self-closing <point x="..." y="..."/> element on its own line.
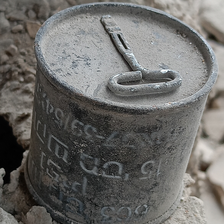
<point x="219" y="53"/>
<point x="212" y="17"/>
<point x="216" y="178"/>
<point x="190" y="211"/>
<point x="2" y="174"/>
<point x="2" y="8"/>
<point x="4" y="58"/>
<point x="31" y="14"/>
<point x="17" y="28"/>
<point x="212" y="125"/>
<point x="19" y="22"/>
<point x="32" y="28"/>
<point x="37" y="215"/>
<point x="17" y="16"/>
<point x="206" y="151"/>
<point x="213" y="211"/>
<point x="43" y="9"/>
<point x="6" y="218"/>
<point x="4" y="23"/>
<point x="4" y="68"/>
<point x="178" y="8"/>
<point x="5" y="43"/>
<point x="12" y="50"/>
<point x="18" y="111"/>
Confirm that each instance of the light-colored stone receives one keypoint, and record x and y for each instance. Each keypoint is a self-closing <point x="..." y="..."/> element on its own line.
<point x="194" y="163"/>
<point x="206" y="150"/>
<point x="218" y="103"/>
<point x="23" y="52"/>
<point x="219" y="53"/>
<point x="185" y="10"/>
<point x="4" y="23"/>
<point x="14" y="180"/>
<point x="38" y="215"/>
<point x="12" y="50"/>
<point x="213" y="125"/>
<point x="16" y="198"/>
<point x="5" y="43"/>
<point x="17" y="15"/>
<point x="212" y="17"/>
<point x="17" y="28"/>
<point x="56" y="5"/>
<point x="218" y="152"/>
<point x="190" y="210"/>
<point x="29" y="70"/>
<point x="4" y="58"/>
<point x="16" y="102"/>
<point x="78" y="2"/>
<point x="216" y="177"/>
<point x="44" y="9"/>
<point x="31" y="14"/>
<point x="72" y="2"/>
<point x="32" y="28"/>
<point x="4" y="68"/>
<point x="2" y="8"/>
<point x="213" y="211"/>
<point x="30" y="78"/>
<point x="6" y="218"/>
<point x="2" y="174"/>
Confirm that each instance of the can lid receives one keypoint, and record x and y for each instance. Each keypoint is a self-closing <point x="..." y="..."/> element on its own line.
<point x="93" y="50"/>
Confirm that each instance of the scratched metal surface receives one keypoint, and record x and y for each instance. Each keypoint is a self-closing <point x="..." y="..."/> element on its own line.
<point x="92" y="163"/>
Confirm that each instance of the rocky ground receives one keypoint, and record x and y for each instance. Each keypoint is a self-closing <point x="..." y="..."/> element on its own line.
<point x="19" y="22"/>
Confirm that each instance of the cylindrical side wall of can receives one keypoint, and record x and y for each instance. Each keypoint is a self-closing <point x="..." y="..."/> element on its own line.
<point x="100" y="158"/>
<point x="107" y="168"/>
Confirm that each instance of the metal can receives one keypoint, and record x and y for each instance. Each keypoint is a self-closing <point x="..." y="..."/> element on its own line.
<point x="120" y="91"/>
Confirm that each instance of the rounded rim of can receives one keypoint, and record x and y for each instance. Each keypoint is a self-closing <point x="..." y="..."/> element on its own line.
<point x="116" y="106"/>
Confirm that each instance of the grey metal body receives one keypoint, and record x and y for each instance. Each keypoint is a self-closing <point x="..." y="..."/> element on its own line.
<point x="100" y="158"/>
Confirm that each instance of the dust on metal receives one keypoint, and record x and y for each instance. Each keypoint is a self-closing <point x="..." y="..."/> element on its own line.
<point x="99" y="157"/>
<point x="166" y="80"/>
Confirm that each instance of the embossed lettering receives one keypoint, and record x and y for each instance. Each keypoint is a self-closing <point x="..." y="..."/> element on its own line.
<point x="107" y="214"/>
<point x="139" y="211"/>
<point x="119" y="169"/>
<point x="41" y="131"/>
<point x="110" y="141"/>
<point x="77" y="127"/>
<point x="59" y="148"/>
<point x="124" y="214"/>
<point x="52" y="170"/>
<point x="94" y="164"/>
<point x="59" y="116"/>
<point x="146" y="169"/>
<point x="74" y="205"/>
<point x="110" y="214"/>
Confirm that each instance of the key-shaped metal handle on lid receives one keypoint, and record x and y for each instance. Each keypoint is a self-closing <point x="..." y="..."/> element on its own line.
<point x="162" y="81"/>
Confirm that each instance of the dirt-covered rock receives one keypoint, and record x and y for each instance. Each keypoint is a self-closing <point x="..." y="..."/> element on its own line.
<point x="6" y="218"/>
<point x="37" y="215"/>
<point x="216" y="178"/>
<point x="4" y="23"/>
<point x="212" y="17"/>
<point x="19" y="111"/>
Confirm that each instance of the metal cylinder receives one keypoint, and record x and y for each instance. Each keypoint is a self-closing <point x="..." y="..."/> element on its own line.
<point x="99" y="156"/>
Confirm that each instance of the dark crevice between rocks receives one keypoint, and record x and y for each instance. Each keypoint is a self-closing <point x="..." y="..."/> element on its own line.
<point x="212" y="37"/>
<point x="11" y="152"/>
